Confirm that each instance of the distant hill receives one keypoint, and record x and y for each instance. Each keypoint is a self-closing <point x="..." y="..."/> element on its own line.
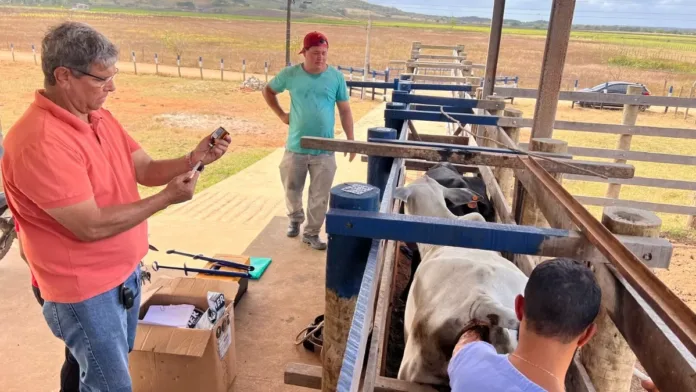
<point x="338" y="9"/>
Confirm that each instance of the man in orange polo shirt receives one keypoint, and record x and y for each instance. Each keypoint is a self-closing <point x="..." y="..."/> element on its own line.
<point x="70" y="173"/>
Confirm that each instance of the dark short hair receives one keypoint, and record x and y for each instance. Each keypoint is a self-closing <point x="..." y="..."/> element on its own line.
<point x="562" y="299"/>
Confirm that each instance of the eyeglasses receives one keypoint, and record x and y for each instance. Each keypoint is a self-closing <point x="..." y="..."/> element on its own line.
<point x="103" y="81"/>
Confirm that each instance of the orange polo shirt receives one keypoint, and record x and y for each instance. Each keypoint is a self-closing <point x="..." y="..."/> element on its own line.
<point x="53" y="159"/>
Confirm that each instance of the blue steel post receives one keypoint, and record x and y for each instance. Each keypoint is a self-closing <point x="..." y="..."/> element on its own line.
<point x="378" y="168"/>
<point x="397" y="124"/>
<point x="346" y="259"/>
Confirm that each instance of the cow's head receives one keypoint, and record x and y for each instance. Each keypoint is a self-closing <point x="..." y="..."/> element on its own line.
<point x="426" y="197"/>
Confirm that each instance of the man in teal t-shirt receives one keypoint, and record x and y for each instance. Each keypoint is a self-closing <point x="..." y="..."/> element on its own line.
<point x="315" y="89"/>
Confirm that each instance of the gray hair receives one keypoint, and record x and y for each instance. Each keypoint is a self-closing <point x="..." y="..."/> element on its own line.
<point x="76" y="46"/>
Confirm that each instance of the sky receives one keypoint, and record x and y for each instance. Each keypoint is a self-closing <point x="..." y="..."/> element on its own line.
<point x="649" y="13"/>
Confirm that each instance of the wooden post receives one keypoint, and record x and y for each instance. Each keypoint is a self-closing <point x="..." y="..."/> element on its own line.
<point x="378" y="168"/>
<point x="12" y="50"/>
<point x="156" y="65"/>
<point x="346" y="259"/>
<point x="676" y="108"/>
<point x="691" y="221"/>
<point x="265" y="69"/>
<point x="222" y="70"/>
<point x="607" y="357"/>
<point x="178" y="63"/>
<point x="669" y="94"/>
<point x="135" y="67"/>
<point x="494" y="47"/>
<point x="243" y="69"/>
<point x="630" y="114"/>
<point x="505" y="176"/>
<point x="33" y="51"/>
<point x="530" y="214"/>
<point x="487" y="143"/>
<point x="552" y="64"/>
<point x="200" y="65"/>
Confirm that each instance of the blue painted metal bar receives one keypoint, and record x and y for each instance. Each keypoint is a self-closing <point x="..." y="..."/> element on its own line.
<point x="431" y="108"/>
<point x="441" y="231"/>
<point x="379" y="168"/>
<point x="442" y="87"/>
<point x="346" y="261"/>
<point x="433" y="100"/>
<point x="439" y="117"/>
<point x="361" y="84"/>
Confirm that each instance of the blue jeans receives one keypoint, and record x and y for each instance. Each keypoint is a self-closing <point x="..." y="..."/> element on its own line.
<point x="99" y="332"/>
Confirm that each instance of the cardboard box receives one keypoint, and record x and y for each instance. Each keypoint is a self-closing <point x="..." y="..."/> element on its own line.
<point x="181" y="359"/>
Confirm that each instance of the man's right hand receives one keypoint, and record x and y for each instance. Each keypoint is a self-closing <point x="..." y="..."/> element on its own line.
<point x="285" y="118"/>
<point x="181" y="188"/>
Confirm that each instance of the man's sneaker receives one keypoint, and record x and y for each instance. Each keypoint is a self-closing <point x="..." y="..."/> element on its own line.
<point x="293" y="229"/>
<point x="314" y="242"/>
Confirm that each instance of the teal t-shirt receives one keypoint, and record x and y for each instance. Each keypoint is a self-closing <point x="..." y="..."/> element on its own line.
<point x="312" y="103"/>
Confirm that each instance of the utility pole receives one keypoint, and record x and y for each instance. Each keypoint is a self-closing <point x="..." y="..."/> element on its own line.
<point x="287" y="35"/>
<point x="367" y="46"/>
<point x="366" y="68"/>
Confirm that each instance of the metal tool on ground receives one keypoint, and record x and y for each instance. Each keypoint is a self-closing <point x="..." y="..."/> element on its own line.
<point x="156" y="267"/>
<point x="222" y="263"/>
<point x="217" y="135"/>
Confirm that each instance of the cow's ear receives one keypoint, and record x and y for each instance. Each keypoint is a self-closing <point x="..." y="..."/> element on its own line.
<point x="459" y="196"/>
<point x="402" y="193"/>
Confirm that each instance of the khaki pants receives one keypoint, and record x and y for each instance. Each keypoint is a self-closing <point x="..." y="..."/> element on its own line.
<point x="293" y="173"/>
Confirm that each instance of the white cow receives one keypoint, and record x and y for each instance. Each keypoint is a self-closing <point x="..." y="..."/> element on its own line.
<point x="451" y="287"/>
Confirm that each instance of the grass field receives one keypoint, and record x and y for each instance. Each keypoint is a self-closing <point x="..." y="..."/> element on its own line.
<point x="593" y="57"/>
<point x="169" y="116"/>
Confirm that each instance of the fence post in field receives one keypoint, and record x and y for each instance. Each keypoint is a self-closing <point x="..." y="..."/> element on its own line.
<point x="156" y="65"/>
<point x="669" y="94"/>
<point x="664" y="88"/>
<point x="488" y="143"/>
<point x="630" y="114"/>
<point x="530" y="214"/>
<point x="575" y="88"/>
<point x="135" y="67"/>
<point x="33" y="51"/>
<point x="676" y="108"/>
<point x="265" y="69"/>
<point x="691" y="95"/>
<point x="178" y="64"/>
<point x="12" y="50"/>
<point x="222" y="69"/>
<point x="200" y="65"/>
<point x="505" y="176"/>
<point x="608" y="349"/>
<point x="243" y="69"/>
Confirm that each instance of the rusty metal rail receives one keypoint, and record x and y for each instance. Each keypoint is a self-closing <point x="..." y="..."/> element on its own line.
<point x="675" y="313"/>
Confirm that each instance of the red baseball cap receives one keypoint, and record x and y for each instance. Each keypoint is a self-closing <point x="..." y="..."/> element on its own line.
<point x="314" y="38"/>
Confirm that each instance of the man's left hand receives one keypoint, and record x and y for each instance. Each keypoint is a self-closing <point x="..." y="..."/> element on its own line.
<point x="207" y="155"/>
<point x="352" y="154"/>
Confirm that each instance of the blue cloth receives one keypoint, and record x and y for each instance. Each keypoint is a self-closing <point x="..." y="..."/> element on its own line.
<point x="100" y="333"/>
<point x="478" y="367"/>
<point x="312" y="103"/>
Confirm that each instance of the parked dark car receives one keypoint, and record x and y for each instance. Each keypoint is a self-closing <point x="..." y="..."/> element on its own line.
<point x="611" y="88"/>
